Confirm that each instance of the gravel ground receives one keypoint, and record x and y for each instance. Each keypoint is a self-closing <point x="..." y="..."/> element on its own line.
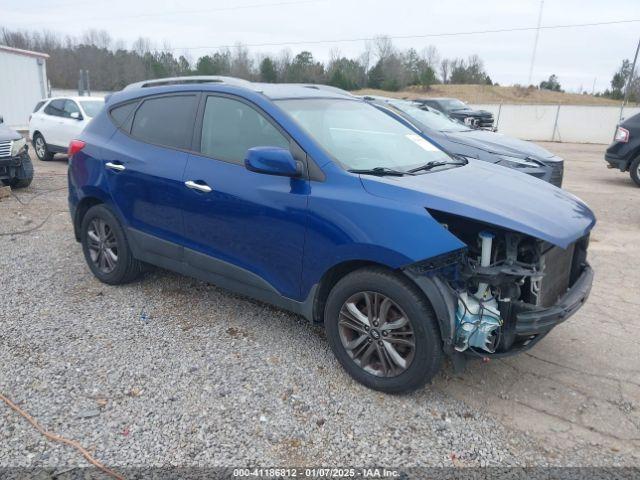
<point x="169" y="371"/>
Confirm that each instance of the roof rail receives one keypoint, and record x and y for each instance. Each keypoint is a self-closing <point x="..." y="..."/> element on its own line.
<point x="160" y="82"/>
<point x="326" y="88"/>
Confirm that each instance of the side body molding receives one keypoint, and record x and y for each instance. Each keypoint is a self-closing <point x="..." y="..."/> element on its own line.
<point x="177" y="258"/>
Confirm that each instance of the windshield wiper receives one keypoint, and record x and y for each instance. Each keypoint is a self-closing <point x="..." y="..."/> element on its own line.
<point x="430" y="165"/>
<point x="381" y="171"/>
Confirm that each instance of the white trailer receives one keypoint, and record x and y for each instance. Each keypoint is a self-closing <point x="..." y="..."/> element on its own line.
<point x="23" y="83"/>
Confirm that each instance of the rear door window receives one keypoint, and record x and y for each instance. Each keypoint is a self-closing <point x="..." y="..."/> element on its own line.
<point x="231" y="127"/>
<point x="166" y="121"/>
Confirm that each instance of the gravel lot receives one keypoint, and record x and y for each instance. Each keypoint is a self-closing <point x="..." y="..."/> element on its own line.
<point x="172" y="371"/>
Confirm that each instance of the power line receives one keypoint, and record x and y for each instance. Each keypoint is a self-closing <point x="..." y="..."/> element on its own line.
<point x="404" y="37"/>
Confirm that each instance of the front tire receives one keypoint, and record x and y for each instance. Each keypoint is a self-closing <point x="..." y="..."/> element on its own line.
<point x="634" y="171"/>
<point x="106" y="249"/>
<point x="383" y="330"/>
<point x="25" y="175"/>
<point x="41" y="148"/>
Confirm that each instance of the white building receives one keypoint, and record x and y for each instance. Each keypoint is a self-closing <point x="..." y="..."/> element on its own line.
<point x="23" y="83"/>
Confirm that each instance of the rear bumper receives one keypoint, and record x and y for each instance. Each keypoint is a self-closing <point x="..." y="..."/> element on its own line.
<point x="616" y="161"/>
<point x="541" y="321"/>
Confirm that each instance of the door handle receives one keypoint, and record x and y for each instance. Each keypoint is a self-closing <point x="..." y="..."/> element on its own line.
<point x="115" y="166"/>
<point x="198" y="186"/>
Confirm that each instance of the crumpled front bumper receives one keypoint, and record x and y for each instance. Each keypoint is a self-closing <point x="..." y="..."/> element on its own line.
<point x="8" y="164"/>
<point x="541" y="321"/>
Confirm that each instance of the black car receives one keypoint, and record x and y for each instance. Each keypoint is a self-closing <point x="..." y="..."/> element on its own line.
<point x="458" y="139"/>
<point x="16" y="169"/>
<point x="458" y="110"/>
<point x="624" y="152"/>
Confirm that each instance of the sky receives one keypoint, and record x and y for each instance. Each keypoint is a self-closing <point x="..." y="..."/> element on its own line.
<point x="578" y="56"/>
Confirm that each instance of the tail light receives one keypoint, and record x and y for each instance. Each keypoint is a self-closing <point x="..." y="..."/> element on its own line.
<point x="622" y="135"/>
<point x="74" y="147"/>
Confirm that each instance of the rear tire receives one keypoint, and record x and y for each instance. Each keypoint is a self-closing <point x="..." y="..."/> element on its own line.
<point x="634" y="171"/>
<point x="25" y="175"/>
<point x="106" y="249"/>
<point x="41" y="148"/>
<point x="416" y="353"/>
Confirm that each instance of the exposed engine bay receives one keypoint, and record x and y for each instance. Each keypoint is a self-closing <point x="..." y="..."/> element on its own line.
<point x="503" y="278"/>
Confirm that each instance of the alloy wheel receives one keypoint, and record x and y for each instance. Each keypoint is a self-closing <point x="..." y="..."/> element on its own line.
<point x="40" y="147"/>
<point x="376" y="334"/>
<point x="103" y="245"/>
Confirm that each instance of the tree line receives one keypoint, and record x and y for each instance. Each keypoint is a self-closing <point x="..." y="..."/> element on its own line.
<point x="112" y="64"/>
<point x="619" y="83"/>
<point x="381" y="65"/>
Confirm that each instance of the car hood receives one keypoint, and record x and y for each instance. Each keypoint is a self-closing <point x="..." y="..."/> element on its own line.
<point x="8" y="134"/>
<point x="495" y="195"/>
<point x="501" y="144"/>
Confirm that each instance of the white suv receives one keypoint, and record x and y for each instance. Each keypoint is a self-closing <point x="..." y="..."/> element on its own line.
<point x="57" y="121"/>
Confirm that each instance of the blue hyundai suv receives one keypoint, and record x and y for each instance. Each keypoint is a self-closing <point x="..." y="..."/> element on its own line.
<point x="323" y="205"/>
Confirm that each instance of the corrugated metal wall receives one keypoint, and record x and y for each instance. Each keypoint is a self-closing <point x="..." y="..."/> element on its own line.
<point x="22" y="83"/>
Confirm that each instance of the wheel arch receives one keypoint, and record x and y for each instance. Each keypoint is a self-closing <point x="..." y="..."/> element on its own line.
<point x="433" y="288"/>
<point x="330" y="278"/>
<point x="81" y="209"/>
<point x="36" y="132"/>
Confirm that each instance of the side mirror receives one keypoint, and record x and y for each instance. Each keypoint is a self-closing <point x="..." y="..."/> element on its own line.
<point x="272" y="161"/>
<point x="1" y="119"/>
<point x="75" y="115"/>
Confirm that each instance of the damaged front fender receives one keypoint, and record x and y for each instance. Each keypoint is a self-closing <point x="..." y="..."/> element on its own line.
<point x="442" y="300"/>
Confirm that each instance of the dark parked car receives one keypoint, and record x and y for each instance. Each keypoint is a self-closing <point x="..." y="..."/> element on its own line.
<point x="458" y="110"/>
<point x="455" y="138"/>
<point x="323" y="205"/>
<point x="16" y="169"/>
<point x="624" y="152"/>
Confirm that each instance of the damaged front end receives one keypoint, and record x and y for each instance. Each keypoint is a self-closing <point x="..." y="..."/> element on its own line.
<point x="505" y="291"/>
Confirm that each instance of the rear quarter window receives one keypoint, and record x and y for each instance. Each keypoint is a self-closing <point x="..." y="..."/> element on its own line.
<point x="39" y="105"/>
<point x="122" y="115"/>
<point x="166" y="121"/>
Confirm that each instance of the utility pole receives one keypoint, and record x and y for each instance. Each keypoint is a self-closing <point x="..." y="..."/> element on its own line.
<point x="629" y="80"/>
<point x="535" y="42"/>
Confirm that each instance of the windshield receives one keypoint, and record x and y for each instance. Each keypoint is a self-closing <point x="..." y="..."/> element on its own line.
<point x="359" y="136"/>
<point x="431" y="119"/>
<point x="92" y="107"/>
<point x="454" y="104"/>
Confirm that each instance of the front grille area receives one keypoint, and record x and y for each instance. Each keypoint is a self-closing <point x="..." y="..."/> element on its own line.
<point x="557" y="275"/>
<point x="557" y="173"/>
<point x="5" y="148"/>
<point x="485" y="122"/>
